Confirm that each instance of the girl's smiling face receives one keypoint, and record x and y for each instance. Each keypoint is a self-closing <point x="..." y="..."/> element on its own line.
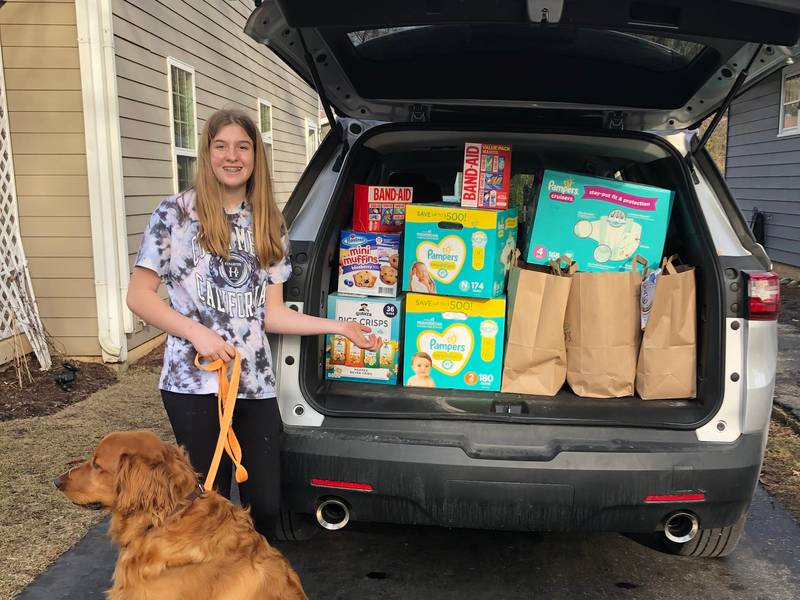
<point x="232" y="157"/>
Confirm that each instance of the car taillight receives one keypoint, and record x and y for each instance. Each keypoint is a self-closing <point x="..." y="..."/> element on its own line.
<point x="763" y="296"/>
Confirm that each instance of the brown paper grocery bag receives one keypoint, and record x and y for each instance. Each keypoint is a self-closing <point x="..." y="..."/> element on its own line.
<point x="667" y="365"/>
<point x="602" y="332"/>
<point x="535" y="359"/>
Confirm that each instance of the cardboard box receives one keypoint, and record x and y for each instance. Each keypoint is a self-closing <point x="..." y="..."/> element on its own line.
<point x="344" y="360"/>
<point x="601" y="223"/>
<point x="486" y="178"/>
<point x="456" y="251"/>
<point x="453" y="343"/>
<point x="369" y="263"/>
<point x="380" y="209"/>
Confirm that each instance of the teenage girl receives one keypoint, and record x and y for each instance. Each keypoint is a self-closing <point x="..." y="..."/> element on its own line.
<point x="221" y="250"/>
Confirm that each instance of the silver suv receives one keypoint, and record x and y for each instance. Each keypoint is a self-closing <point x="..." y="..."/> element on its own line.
<point x="611" y="89"/>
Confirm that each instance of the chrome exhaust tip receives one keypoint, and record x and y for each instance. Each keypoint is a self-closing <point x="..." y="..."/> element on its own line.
<point x="681" y="527"/>
<point x="332" y="514"/>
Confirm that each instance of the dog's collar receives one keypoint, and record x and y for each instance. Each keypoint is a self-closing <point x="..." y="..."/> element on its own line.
<point x="184" y="504"/>
<point x="187" y="502"/>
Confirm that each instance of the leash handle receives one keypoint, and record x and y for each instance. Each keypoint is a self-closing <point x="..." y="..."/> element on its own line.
<point x="226" y="402"/>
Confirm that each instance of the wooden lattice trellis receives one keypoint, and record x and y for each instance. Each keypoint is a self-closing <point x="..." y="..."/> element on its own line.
<point x="18" y="310"/>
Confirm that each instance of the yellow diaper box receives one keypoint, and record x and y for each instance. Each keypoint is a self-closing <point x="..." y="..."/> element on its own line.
<point x="454" y="251"/>
<point x="453" y="343"/>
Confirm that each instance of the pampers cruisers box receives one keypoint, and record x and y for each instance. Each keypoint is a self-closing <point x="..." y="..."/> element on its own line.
<point x="456" y="251"/>
<point x="454" y="343"/>
<point x="600" y="223"/>
<point x="347" y="362"/>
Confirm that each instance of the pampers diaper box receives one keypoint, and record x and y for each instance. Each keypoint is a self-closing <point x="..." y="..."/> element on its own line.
<point x="456" y="251"/>
<point x="347" y="362"/>
<point x="454" y="343"/>
<point x="600" y="223"/>
<point x="369" y="263"/>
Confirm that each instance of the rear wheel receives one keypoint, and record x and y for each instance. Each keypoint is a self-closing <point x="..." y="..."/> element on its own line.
<point x="710" y="543"/>
<point x="295" y="527"/>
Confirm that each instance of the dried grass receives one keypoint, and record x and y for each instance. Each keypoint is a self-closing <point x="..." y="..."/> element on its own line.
<point x="37" y="524"/>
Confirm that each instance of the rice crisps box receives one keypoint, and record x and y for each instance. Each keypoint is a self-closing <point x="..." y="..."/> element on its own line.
<point x="486" y="177"/>
<point x="347" y="362"/>
<point x="368" y="263"/>
<point x="600" y="223"/>
<point x="379" y="208"/>
<point x="456" y="251"/>
<point x="453" y="343"/>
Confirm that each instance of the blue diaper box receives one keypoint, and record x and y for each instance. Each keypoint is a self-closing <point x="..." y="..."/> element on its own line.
<point x="455" y="251"/>
<point x="454" y="343"/>
<point x="600" y="223"/>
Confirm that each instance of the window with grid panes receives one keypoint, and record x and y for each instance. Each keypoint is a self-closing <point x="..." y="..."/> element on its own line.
<point x="265" y="127"/>
<point x="184" y="123"/>
<point x="790" y="101"/>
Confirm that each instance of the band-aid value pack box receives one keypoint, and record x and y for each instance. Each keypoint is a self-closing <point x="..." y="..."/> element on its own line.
<point x="454" y="343"/>
<point x="369" y="263"/>
<point x="600" y="223"/>
<point x="344" y="360"/>
<point x="380" y="208"/>
<point x="486" y="176"/>
<point x="455" y="251"/>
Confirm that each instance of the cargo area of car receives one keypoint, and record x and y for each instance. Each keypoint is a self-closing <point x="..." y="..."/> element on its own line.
<point x="428" y="158"/>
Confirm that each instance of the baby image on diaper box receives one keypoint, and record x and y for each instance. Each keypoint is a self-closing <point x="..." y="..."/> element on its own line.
<point x="600" y="223"/>
<point x="454" y="343"/>
<point x="368" y="263"/>
<point x="456" y="251"/>
<point x="346" y="361"/>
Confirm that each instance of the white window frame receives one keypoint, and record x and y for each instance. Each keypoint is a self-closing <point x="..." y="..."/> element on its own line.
<point x="268" y="138"/>
<point x="311" y="124"/>
<point x="787" y="72"/>
<point x="178" y="151"/>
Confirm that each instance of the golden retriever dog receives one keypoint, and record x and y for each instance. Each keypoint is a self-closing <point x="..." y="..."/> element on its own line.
<point x="175" y="541"/>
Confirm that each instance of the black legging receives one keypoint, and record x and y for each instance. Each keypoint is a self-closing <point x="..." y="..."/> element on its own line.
<point x="258" y="427"/>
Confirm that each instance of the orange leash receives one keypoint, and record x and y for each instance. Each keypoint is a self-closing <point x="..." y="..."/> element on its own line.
<point x="226" y="401"/>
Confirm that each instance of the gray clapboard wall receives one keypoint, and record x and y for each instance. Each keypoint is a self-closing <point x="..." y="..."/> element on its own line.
<point x="230" y="69"/>
<point x="763" y="168"/>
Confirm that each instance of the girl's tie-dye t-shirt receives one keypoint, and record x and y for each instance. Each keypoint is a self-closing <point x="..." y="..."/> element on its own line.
<point x="227" y="296"/>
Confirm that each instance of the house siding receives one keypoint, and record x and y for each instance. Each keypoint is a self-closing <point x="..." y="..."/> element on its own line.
<point x="45" y="111"/>
<point x="230" y="70"/>
<point x="763" y="169"/>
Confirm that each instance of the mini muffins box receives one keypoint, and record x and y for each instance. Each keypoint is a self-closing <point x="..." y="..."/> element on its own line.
<point x="380" y="208"/>
<point x="456" y="251"/>
<point x="369" y="263"/>
<point x="600" y="223"/>
<point x="344" y="360"/>
<point x="454" y="343"/>
<point x="486" y="177"/>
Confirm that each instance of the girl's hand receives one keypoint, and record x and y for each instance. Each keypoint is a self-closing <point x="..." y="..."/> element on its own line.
<point x="360" y="335"/>
<point x="210" y="345"/>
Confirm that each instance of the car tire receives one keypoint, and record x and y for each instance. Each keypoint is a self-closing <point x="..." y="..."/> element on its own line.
<point x="295" y="527"/>
<point x="710" y="543"/>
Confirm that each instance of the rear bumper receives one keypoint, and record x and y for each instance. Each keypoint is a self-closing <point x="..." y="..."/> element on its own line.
<point x="600" y="486"/>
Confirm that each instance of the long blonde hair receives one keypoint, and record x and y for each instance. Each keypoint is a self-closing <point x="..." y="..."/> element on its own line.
<point x="268" y="226"/>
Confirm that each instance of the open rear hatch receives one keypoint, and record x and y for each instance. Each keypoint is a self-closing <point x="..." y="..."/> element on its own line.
<point x="650" y="65"/>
